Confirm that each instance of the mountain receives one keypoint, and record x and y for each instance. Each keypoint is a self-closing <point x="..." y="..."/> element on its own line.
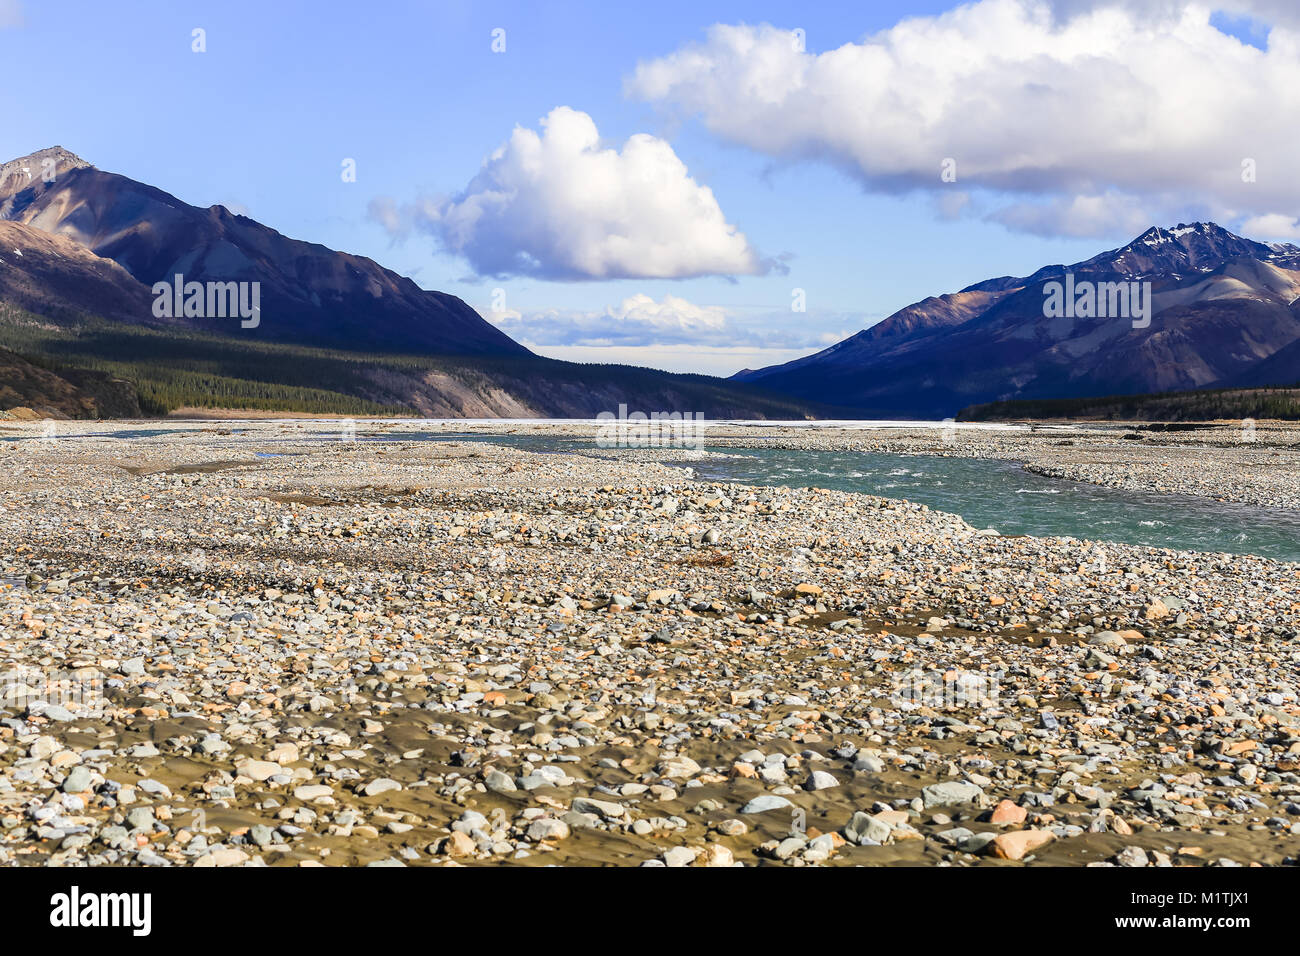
<point x="309" y="294"/>
<point x="60" y="278"/>
<point x="340" y="335"/>
<point x="186" y="371"/>
<point x="904" y="331"/>
<point x="49" y="394"/>
<point x="1225" y="314"/>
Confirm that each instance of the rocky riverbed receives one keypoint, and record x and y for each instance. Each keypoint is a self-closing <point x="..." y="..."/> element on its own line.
<point x="256" y="644"/>
<point x="1248" y="462"/>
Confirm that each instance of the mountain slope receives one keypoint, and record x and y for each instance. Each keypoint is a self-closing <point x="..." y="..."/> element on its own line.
<point x="309" y="293"/>
<point x="54" y="393"/>
<point x="339" y="334"/>
<point x="191" y="369"/>
<point x="1222" y="307"/>
<point x="57" y="277"/>
<point x="902" y="331"/>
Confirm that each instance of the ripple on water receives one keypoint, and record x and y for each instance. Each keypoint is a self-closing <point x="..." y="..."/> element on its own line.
<point x="1000" y="494"/>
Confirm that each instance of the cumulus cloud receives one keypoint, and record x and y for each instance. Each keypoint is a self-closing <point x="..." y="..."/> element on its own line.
<point x="1273" y="226"/>
<point x="637" y="320"/>
<point x="556" y="204"/>
<point x="641" y="321"/>
<point x="722" y="361"/>
<point x="674" y="334"/>
<point x="1133" y="108"/>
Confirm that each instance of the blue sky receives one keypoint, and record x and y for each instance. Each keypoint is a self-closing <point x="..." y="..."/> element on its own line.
<point x="829" y="189"/>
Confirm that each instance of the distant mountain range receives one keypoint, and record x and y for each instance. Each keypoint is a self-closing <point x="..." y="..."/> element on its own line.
<point x="80" y="250"/>
<point x="1226" y="314"/>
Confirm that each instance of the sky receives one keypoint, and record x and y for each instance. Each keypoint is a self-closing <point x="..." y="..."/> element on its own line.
<point x="696" y="186"/>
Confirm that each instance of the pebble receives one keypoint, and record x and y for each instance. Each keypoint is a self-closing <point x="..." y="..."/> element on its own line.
<point x="949" y="793"/>
<point x="460" y="652"/>
<point x="820" y="780"/>
<point x="765" y="803"/>
<point x="1019" y="843"/>
<point x="383" y="785"/>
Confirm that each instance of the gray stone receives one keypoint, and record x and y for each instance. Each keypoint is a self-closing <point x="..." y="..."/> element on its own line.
<point x="77" y="781"/>
<point x="1131" y="856"/>
<point x="820" y="780"/>
<point x="602" y="808"/>
<point x="141" y="818"/>
<point x="950" y="792"/>
<point x="1107" y="639"/>
<point x="548" y="828"/>
<point x="680" y="856"/>
<point x="954" y="836"/>
<point x="866" y="830"/>
<point x="764" y="803"/>
<point x="382" y="785"/>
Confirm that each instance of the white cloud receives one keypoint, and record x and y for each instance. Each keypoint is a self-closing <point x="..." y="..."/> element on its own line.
<point x="11" y="14"/>
<point x="1279" y="12"/>
<point x="1078" y="216"/>
<point x="1135" y="107"/>
<point x="637" y="320"/>
<point x="671" y="325"/>
<point x="558" y="205"/>
<point x="699" y="359"/>
<point x="1273" y="226"/>
<point x="674" y="315"/>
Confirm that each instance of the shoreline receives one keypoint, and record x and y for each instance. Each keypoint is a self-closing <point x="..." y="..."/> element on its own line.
<point x="1214" y="463"/>
<point x="466" y="653"/>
